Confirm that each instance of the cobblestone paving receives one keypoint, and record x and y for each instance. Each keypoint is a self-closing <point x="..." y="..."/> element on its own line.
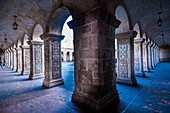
<point x="20" y="95"/>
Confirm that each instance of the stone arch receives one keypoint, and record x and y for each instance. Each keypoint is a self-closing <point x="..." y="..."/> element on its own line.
<point x="58" y="20"/>
<point x="18" y="43"/>
<point x="137" y="29"/>
<point x="25" y="39"/>
<point x="144" y="36"/>
<point x="38" y="30"/>
<point x="122" y="16"/>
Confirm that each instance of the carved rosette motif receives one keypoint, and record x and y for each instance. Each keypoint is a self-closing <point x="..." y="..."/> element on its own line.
<point x="46" y="49"/>
<point x="123" y="57"/>
<point x="38" y="60"/>
<point x="27" y="59"/>
<point x="55" y="59"/>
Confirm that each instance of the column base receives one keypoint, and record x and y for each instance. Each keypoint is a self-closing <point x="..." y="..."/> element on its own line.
<point x="14" y="68"/>
<point x="52" y="83"/>
<point x="25" y="72"/>
<point x="141" y="74"/>
<point x="148" y="70"/>
<point x="96" y="105"/>
<point x="36" y="76"/>
<point x="128" y="81"/>
<point x="18" y="70"/>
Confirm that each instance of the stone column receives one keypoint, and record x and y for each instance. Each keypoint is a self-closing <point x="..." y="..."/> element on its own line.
<point x="36" y="59"/>
<point x="52" y="50"/>
<point x="5" y="58"/>
<point x="11" y="58"/>
<point x="149" y="55"/>
<point x="126" y="58"/>
<point x="14" y="59"/>
<point x="157" y="54"/>
<point x="152" y="65"/>
<point x="138" y="58"/>
<point x="18" y="59"/>
<point x="145" y="57"/>
<point x="25" y="59"/>
<point x="94" y="56"/>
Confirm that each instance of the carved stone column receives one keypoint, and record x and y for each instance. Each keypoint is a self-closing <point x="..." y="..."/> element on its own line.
<point x="52" y="50"/>
<point x="6" y="57"/>
<point x="150" y="55"/>
<point x="152" y="65"/>
<point x="126" y="58"/>
<point x="13" y="59"/>
<point x="155" y="55"/>
<point x="9" y="60"/>
<point x="25" y="59"/>
<point x="19" y="59"/>
<point x="36" y="60"/>
<point x="138" y="58"/>
<point x="145" y="57"/>
<point x="94" y="56"/>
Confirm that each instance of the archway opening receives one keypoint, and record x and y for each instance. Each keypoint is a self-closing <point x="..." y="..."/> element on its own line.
<point x="67" y="48"/>
<point x="59" y="27"/>
<point x="122" y="16"/>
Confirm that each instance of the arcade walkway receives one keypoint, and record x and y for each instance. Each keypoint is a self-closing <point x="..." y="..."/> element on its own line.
<point x="20" y="95"/>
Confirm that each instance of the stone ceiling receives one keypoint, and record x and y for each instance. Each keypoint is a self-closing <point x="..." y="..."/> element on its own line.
<point x="30" y="12"/>
<point x="145" y="12"/>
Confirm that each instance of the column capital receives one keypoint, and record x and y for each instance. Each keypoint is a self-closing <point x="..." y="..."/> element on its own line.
<point x="139" y="40"/>
<point x="33" y="42"/>
<point x="128" y="34"/>
<point x="24" y="46"/>
<point x="52" y="37"/>
<point x="17" y="49"/>
<point x="13" y="49"/>
<point x="97" y="13"/>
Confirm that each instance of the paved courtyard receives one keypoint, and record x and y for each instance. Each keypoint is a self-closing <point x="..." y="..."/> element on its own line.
<point x="20" y="95"/>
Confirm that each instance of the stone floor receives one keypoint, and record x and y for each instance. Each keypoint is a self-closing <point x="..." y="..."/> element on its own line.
<point x="20" y="95"/>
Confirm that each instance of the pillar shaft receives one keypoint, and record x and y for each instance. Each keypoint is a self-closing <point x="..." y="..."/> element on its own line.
<point x="152" y="56"/>
<point x="19" y="59"/>
<point x="14" y="59"/>
<point x="95" y="85"/>
<point x="138" y="58"/>
<point x="126" y="58"/>
<point x="149" y="56"/>
<point x="145" y="57"/>
<point x="52" y="50"/>
<point x="11" y="59"/>
<point x="36" y="59"/>
<point x="25" y="59"/>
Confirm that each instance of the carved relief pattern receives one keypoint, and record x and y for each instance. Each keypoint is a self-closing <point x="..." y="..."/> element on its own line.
<point x="38" y="60"/>
<point x="136" y="57"/>
<point x="55" y="60"/>
<point x="123" y="57"/>
<point x="27" y="59"/>
<point x="46" y="49"/>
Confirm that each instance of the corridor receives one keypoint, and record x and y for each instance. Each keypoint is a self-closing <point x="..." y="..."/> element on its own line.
<point x="18" y="94"/>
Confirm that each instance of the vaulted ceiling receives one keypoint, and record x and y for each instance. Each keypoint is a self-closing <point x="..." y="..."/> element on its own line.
<point x="30" y="12"/>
